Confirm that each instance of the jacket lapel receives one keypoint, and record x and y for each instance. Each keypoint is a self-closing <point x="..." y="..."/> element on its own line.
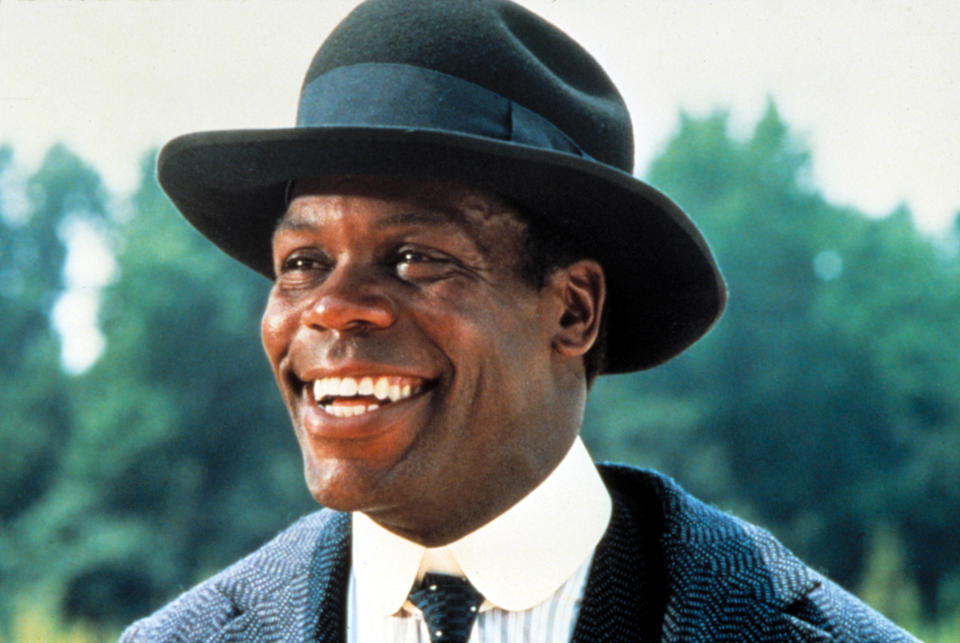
<point x="327" y="589"/>
<point x="623" y="599"/>
<point x="294" y="589"/>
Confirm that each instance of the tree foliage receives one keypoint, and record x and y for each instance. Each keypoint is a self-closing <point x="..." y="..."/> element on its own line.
<point x="34" y="392"/>
<point x="32" y="256"/>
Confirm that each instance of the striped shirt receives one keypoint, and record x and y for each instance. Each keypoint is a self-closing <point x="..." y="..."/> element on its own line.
<point x="530" y="563"/>
<point x="552" y="621"/>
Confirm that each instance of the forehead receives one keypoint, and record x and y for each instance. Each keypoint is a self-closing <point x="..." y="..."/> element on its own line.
<point x="433" y="201"/>
<point x="403" y="201"/>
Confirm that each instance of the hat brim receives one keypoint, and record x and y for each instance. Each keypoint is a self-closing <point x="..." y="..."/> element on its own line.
<point x="664" y="288"/>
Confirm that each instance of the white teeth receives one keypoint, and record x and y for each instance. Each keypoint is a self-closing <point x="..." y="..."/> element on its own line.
<point x="348" y="411"/>
<point x="382" y="388"/>
<point x="394" y="392"/>
<point x="344" y="411"/>
<point x="379" y="387"/>
<point x="348" y="387"/>
<point x="366" y="386"/>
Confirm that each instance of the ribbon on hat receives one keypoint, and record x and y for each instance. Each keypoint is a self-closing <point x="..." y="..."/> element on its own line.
<point x="393" y="95"/>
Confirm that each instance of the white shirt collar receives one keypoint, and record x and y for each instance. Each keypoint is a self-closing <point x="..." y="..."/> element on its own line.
<point x="516" y="561"/>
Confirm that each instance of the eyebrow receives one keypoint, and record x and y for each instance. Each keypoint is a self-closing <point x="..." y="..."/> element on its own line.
<point x="427" y="217"/>
<point x="289" y="224"/>
<point x="423" y="217"/>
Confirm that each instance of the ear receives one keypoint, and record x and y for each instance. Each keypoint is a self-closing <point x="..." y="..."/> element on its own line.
<point x="582" y="289"/>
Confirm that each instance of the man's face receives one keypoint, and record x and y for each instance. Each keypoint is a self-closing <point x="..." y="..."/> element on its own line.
<point x="415" y="362"/>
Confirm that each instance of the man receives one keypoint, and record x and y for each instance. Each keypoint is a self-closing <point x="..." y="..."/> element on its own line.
<point x="457" y="248"/>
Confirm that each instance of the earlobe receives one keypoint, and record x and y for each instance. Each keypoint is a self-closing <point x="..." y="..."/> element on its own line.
<point x="581" y="288"/>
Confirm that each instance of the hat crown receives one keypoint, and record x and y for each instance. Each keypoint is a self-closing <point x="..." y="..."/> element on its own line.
<point x="499" y="46"/>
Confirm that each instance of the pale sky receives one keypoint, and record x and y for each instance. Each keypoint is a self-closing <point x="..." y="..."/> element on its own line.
<point x="871" y="86"/>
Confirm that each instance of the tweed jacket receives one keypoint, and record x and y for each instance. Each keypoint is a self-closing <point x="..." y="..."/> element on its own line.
<point x="669" y="568"/>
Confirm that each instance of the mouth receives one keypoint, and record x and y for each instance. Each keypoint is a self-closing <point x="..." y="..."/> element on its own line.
<point x="344" y="397"/>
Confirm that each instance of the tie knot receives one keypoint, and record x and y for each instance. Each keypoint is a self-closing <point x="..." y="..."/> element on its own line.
<point x="449" y="605"/>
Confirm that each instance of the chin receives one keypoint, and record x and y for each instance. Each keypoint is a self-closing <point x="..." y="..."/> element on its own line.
<point x="343" y="486"/>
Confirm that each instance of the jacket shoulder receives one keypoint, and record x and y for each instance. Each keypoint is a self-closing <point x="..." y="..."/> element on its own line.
<point x="728" y="579"/>
<point x="236" y="598"/>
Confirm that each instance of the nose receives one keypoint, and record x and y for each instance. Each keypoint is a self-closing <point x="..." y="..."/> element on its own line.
<point x="348" y="300"/>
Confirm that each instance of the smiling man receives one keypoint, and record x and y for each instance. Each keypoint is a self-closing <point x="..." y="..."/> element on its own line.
<point x="457" y="248"/>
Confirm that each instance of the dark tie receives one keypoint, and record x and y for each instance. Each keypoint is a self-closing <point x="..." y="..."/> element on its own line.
<point x="449" y="605"/>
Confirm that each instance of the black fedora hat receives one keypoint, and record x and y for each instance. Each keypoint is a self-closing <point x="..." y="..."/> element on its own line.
<point x="481" y="92"/>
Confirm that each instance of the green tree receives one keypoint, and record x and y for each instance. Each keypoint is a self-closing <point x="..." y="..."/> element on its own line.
<point x="37" y="421"/>
<point x="886" y="582"/>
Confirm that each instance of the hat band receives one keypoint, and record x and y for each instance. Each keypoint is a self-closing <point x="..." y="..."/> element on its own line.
<point x="392" y="95"/>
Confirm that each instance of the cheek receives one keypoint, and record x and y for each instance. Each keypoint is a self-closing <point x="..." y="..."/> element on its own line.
<point x="276" y="328"/>
<point x="494" y="343"/>
<point x="467" y="333"/>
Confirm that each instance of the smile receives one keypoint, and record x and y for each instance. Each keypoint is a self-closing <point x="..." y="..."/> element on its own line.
<point x="351" y="396"/>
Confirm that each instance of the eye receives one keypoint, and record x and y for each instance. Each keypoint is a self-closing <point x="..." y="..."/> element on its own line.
<point x="298" y="262"/>
<point x="412" y="256"/>
<point x="415" y="264"/>
<point x="300" y="266"/>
